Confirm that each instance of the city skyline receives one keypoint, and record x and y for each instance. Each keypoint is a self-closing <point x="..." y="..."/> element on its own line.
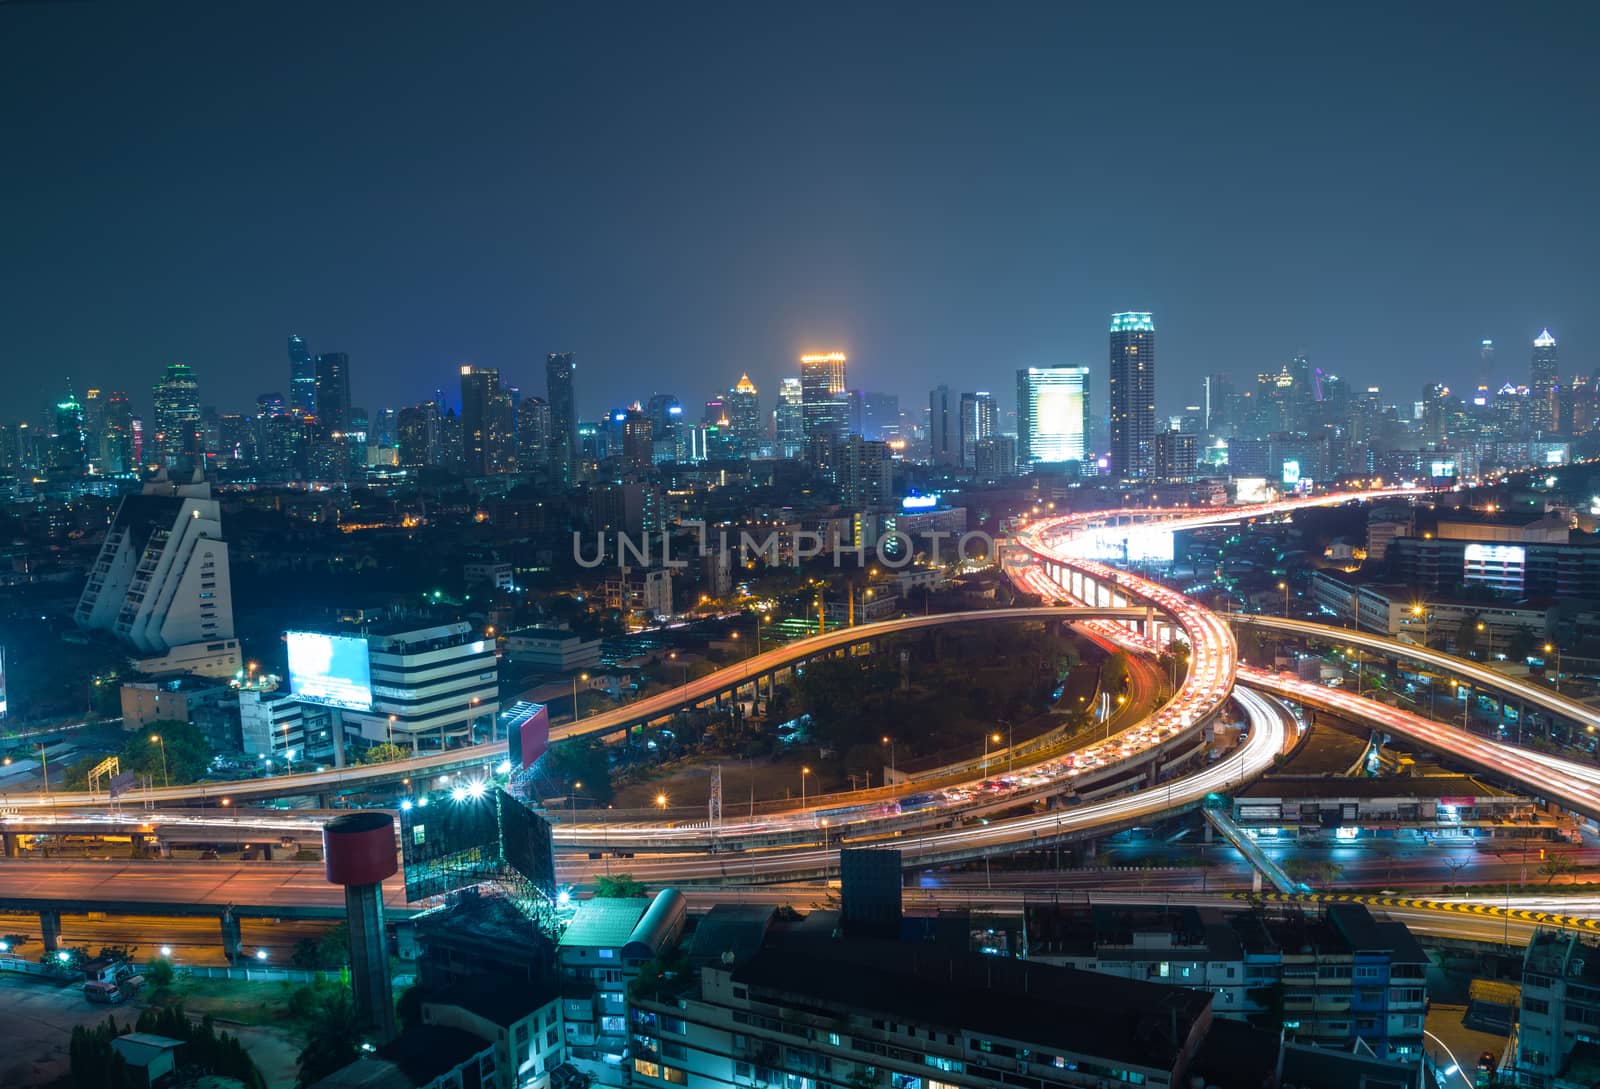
<point x="960" y="278"/>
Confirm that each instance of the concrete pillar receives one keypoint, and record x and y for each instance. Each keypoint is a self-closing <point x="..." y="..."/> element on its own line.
<point x="9" y="840"/>
<point x="1089" y="849"/>
<point x="1255" y="879"/>
<point x="50" y="930"/>
<point x="232" y="937"/>
<point x="1210" y="830"/>
<point x="336" y="727"/>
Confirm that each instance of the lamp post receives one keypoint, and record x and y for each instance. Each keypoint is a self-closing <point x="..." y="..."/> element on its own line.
<point x="572" y="801"/>
<point x="803" y="773"/>
<point x="889" y="741"/>
<point x="1420" y="611"/>
<point x="575" y="680"/>
<point x="661" y="802"/>
<point x="994" y="737"/>
<point x="165" y="780"/>
<point x="1284" y="586"/>
<point x="1548" y="647"/>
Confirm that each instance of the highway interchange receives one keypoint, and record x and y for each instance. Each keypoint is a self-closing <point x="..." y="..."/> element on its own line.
<point x="1044" y="559"/>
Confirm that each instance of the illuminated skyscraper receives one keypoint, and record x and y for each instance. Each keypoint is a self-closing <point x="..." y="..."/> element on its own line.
<point x="944" y="427"/>
<point x="1486" y="375"/>
<point x="980" y="420"/>
<point x="177" y="417"/>
<point x="333" y="392"/>
<point x="560" y="374"/>
<point x="68" y="451"/>
<point x="1052" y="415"/>
<point x="789" y="429"/>
<point x="824" y="396"/>
<point x="302" y="379"/>
<point x="743" y="404"/>
<point x="480" y="398"/>
<point x="1133" y="396"/>
<point x="116" y="441"/>
<point x="1544" y="383"/>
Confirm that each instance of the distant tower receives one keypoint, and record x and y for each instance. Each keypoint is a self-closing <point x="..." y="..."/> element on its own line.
<point x="333" y="392"/>
<point x="944" y="427"/>
<point x="560" y="373"/>
<point x="1133" y="396"/>
<point x="743" y="404"/>
<point x="302" y="379"/>
<point x="68" y="450"/>
<point x="824" y="396"/>
<point x="1544" y="383"/>
<point x="980" y="420"/>
<point x="1052" y="415"/>
<point x="177" y="405"/>
<point x="358" y="853"/>
<point x="1486" y="362"/>
<point x="480" y="391"/>
<point x="789" y="431"/>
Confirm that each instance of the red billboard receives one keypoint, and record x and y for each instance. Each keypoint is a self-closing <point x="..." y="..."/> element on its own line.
<point x="528" y="733"/>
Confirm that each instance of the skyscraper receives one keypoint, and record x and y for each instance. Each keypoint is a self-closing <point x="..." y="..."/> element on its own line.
<point x="1052" y="415"/>
<point x="880" y="416"/>
<point x="980" y="419"/>
<point x="68" y="451"/>
<point x="302" y="379"/>
<point x="333" y="393"/>
<point x="1218" y="394"/>
<point x="743" y="404"/>
<point x="788" y="418"/>
<point x="1133" y="396"/>
<point x="823" y="396"/>
<point x="560" y="372"/>
<point x="1486" y="362"/>
<point x="177" y="417"/>
<point x="1544" y="383"/>
<point x="480" y="396"/>
<point x="116" y="442"/>
<point x="944" y="427"/>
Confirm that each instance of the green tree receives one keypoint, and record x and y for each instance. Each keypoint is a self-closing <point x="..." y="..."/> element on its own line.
<point x="583" y="761"/>
<point x="385" y="752"/>
<point x="1521" y="644"/>
<point x="1114" y="674"/>
<point x="181" y="756"/>
<point x="158" y="973"/>
<point x="620" y="886"/>
<point x="333" y="1040"/>
<point x="93" y="1063"/>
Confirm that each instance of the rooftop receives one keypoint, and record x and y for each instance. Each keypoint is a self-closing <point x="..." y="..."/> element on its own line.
<point x="601" y="922"/>
<point x="501" y="1000"/>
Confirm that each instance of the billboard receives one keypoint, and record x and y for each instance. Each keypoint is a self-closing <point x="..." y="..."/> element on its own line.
<point x="333" y="670"/>
<point x="526" y="844"/>
<point x="2" y="682"/>
<point x="527" y="733"/>
<point x="1440" y="469"/>
<point x="449" y="842"/>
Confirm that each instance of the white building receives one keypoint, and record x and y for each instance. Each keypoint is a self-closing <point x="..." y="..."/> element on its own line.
<point x="161" y="585"/>
<point x="429" y="685"/>
<point x="271" y="725"/>
<point x="555" y="650"/>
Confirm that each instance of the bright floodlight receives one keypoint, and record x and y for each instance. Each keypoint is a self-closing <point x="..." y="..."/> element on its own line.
<point x="261" y="954"/>
<point x="458" y="794"/>
<point x="563" y="898"/>
<point x="476" y="788"/>
<point x="5" y="947"/>
<point x="166" y="950"/>
<point x="405" y="806"/>
<point x="63" y="956"/>
<point x="504" y="767"/>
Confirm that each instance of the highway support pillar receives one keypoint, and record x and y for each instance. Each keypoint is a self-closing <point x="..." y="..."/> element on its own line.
<point x="9" y="839"/>
<point x="1089" y="849"/>
<point x="1209" y="831"/>
<point x="50" y="930"/>
<point x="232" y="937"/>
<point x="1255" y="879"/>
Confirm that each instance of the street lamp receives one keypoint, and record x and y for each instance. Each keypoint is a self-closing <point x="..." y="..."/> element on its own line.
<point x="995" y="737"/>
<point x="661" y="802"/>
<point x="1284" y="586"/>
<point x="889" y="741"/>
<point x="1484" y="628"/>
<point x="1419" y="611"/>
<point x="803" y="773"/>
<point x="166" y="781"/>
<point x="572" y="800"/>
<point x="575" y="680"/>
<point x="1548" y="647"/>
<point x="674" y="656"/>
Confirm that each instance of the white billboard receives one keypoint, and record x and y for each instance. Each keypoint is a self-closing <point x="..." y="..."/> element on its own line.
<point x="330" y="669"/>
<point x="2" y="682"/>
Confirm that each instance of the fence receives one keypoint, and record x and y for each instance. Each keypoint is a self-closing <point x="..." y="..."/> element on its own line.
<point x="259" y="975"/>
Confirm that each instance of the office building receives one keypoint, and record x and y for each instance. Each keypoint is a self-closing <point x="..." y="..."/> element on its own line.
<point x="780" y="1004"/>
<point x="560" y="372"/>
<point x="522" y="1022"/>
<point x="944" y="428"/>
<point x="638" y="441"/>
<point x="160" y="582"/>
<point x="743" y="408"/>
<point x="333" y="393"/>
<point x="1052" y="415"/>
<point x="1133" y="396"/>
<point x="69" y="449"/>
<point x="480" y="400"/>
<point x="863" y="471"/>
<point x="1544" y="384"/>
<point x="116" y="437"/>
<point x="789" y="429"/>
<point x="996" y="458"/>
<point x="533" y="433"/>
<point x="644" y="592"/>
<point x="177" y="418"/>
<point x="824" y="397"/>
<point x="1176" y="455"/>
<point x="552" y="650"/>
<point x="431" y="685"/>
<point x="880" y="416"/>
<point x="272" y="726"/>
<point x="302" y="379"/>
<point x="980" y="420"/>
<point x="419" y="439"/>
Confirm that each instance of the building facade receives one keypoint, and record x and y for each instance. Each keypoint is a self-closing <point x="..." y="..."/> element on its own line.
<point x="1133" y="396"/>
<point x="1052" y="415"/>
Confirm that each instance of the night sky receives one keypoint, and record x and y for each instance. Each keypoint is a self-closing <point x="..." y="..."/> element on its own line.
<point x="681" y="192"/>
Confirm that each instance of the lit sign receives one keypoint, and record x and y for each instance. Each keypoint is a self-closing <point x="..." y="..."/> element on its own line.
<point x="330" y="669"/>
<point x="1441" y="469"/>
<point x="919" y="502"/>
<point x="1291" y="472"/>
<point x="1495" y="554"/>
<point x="2" y="682"/>
<point x="1556" y="456"/>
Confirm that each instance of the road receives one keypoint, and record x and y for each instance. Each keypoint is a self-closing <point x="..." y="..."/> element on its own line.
<point x="191" y="940"/>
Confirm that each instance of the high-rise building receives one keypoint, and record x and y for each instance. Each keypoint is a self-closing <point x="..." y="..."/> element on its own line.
<point x="743" y="404"/>
<point x="789" y="431"/>
<point x="302" y="379"/>
<point x="1176" y="455"/>
<point x="880" y="416"/>
<point x="638" y="441"/>
<point x="68" y="452"/>
<point x="1133" y="395"/>
<point x="1486" y="375"/>
<point x="980" y="419"/>
<point x="824" y="396"/>
<point x="333" y="393"/>
<point x="94" y="428"/>
<point x="480" y="393"/>
<point x="160" y="582"/>
<point x="1052" y="415"/>
<point x="863" y="470"/>
<point x="533" y="433"/>
<point x="1216" y="404"/>
<point x="177" y="417"/>
<point x="419" y="436"/>
<point x="116" y="441"/>
<point x="560" y="372"/>
<point x="944" y="427"/>
<point x="1545" y="383"/>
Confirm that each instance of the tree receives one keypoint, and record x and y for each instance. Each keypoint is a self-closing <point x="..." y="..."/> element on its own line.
<point x="181" y="756"/>
<point x="1114" y="674"/>
<point x="384" y="752"/>
<point x="583" y="761"/>
<point x="1521" y="644"/>
<point x="621" y="886"/>
<point x="158" y="973"/>
<point x="93" y="1063"/>
<point x="1555" y="865"/>
<point x="334" y="1035"/>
